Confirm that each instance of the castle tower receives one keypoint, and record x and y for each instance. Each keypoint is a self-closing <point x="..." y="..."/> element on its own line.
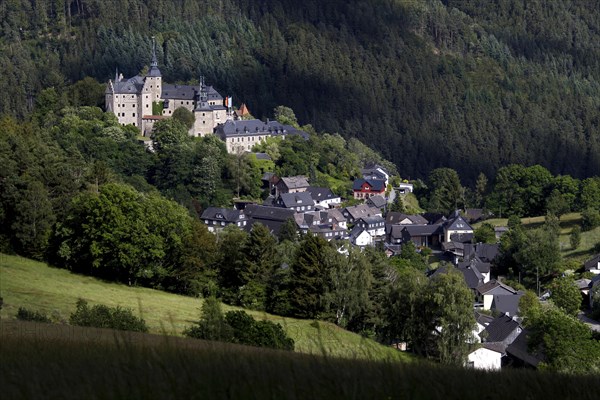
<point x="203" y="112"/>
<point x="153" y="83"/>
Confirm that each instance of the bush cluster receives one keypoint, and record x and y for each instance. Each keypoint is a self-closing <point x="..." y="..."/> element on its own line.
<point x="25" y="314"/>
<point x="238" y="327"/>
<point x="101" y="316"/>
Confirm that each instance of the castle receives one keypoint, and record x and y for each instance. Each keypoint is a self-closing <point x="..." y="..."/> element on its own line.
<point x="142" y="100"/>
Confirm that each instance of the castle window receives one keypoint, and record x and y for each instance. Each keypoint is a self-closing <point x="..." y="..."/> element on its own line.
<point x="203" y="122"/>
<point x="203" y="114"/>
<point x="146" y="105"/>
<point x="133" y="115"/>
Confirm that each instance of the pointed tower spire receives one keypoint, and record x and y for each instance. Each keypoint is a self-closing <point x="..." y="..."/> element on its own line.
<point x="154" y="71"/>
<point x="117" y="74"/>
<point x="154" y="62"/>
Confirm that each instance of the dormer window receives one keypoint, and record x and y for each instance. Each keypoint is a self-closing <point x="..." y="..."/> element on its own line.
<point x="220" y="216"/>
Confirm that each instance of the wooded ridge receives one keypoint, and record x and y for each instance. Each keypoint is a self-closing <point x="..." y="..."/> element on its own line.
<point x="468" y="85"/>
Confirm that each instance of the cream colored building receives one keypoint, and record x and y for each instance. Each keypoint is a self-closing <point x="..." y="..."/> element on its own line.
<point x="131" y="100"/>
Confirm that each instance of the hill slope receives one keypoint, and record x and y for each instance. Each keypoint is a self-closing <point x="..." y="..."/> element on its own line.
<point x="30" y="284"/>
<point x="485" y="82"/>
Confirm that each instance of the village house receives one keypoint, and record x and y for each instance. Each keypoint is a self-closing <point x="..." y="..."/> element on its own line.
<point x="361" y="237"/>
<point x="216" y="218"/>
<point x="365" y="188"/>
<point x="593" y="265"/>
<point x="291" y="184"/>
<point x="376" y="172"/>
<point x="378" y="202"/>
<point x="487" y="357"/>
<point x="353" y="213"/>
<point x="487" y="291"/>
<point x="298" y="201"/>
<point x="271" y="217"/>
<point x="456" y="229"/>
<point x="375" y="225"/>
<point x="324" y="197"/>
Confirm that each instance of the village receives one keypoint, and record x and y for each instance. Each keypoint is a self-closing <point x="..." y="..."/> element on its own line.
<point x="364" y="219"/>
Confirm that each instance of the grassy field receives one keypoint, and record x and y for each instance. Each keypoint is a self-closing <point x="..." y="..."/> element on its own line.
<point x="55" y="291"/>
<point x="79" y="364"/>
<point x="567" y="222"/>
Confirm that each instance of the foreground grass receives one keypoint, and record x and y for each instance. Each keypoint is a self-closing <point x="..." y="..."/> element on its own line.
<point x="82" y="365"/>
<point x="589" y="239"/>
<point x="26" y="283"/>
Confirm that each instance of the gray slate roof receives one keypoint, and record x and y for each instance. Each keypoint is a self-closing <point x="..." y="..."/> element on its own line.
<point x="257" y="212"/>
<point x="422" y="230"/>
<point x="518" y="349"/>
<point x="377" y="201"/>
<point x="223" y="214"/>
<point x="290" y="200"/>
<point x="394" y="217"/>
<point x="320" y="193"/>
<point x="255" y="126"/>
<point x="499" y="329"/>
<point x="294" y="182"/>
<point x="129" y="86"/>
<point x="507" y="304"/>
<point x="494" y="287"/>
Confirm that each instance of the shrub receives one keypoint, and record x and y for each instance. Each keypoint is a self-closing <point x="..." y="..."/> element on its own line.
<point x="212" y="325"/>
<point x="102" y="316"/>
<point x="590" y="219"/>
<point x="24" y="314"/>
<point x="238" y="327"/>
<point x="257" y="333"/>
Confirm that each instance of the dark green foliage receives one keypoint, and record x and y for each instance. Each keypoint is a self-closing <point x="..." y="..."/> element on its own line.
<point x="308" y="278"/>
<point x="567" y="342"/>
<point x="596" y="302"/>
<point x="485" y="233"/>
<point x="435" y="316"/>
<point x="446" y="191"/>
<point x="237" y="327"/>
<point x="575" y="237"/>
<point x="398" y="204"/>
<point x="101" y="316"/>
<point x="25" y="314"/>
<point x="477" y="86"/>
<point x="538" y="256"/>
<point x="566" y="295"/>
<point x="288" y="231"/>
<point x="212" y="324"/>
<point x="185" y="116"/>
<point x="257" y="333"/>
<point x="590" y="219"/>
<point x="121" y="234"/>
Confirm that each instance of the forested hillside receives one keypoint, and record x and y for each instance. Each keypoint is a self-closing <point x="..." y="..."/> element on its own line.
<point x="471" y="85"/>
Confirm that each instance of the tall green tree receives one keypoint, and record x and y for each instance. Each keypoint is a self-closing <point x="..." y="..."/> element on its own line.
<point x="308" y="280"/>
<point x="446" y="191"/>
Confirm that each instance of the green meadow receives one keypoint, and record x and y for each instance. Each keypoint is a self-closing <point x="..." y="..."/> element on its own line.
<point x="54" y="291"/>
<point x="589" y="239"/>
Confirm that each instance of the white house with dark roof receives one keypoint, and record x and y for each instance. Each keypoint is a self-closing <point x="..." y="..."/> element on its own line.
<point x="487" y="357"/>
<point x="375" y="225"/>
<point x="324" y="197"/>
<point x="353" y="213"/>
<point x="487" y="291"/>
<point x="359" y="236"/>
<point x="241" y="135"/>
<point x="298" y="201"/>
<point x="457" y="229"/>
<point x="216" y="218"/>
<point x="593" y="265"/>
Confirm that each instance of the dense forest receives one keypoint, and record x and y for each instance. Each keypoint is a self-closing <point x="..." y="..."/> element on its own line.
<point x="470" y="85"/>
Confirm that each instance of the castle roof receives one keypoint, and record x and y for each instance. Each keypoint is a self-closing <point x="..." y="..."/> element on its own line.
<point x="256" y="126"/>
